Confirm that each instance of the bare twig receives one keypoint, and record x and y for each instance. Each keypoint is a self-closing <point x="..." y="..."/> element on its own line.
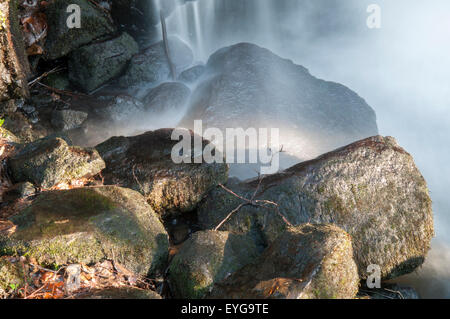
<point x="62" y="92"/>
<point x="252" y="202"/>
<point x="44" y="75"/>
<point x="230" y="215"/>
<point x="137" y="180"/>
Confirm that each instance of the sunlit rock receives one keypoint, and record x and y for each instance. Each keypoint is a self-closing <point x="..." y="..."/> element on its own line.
<point x="305" y="262"/>
<point x="372" y="189"/>
<point x="144" y="163"/>
<point x="87" y="225"/>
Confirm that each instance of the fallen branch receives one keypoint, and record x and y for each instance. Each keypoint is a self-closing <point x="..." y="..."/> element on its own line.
<point x="44" y="75"/>
<point x="166" y="45"/>
<point x="62" y="92"/>
<point x="251" y="202"/>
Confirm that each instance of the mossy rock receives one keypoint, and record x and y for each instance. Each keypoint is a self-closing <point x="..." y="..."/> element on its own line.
<point x="50" y="161"/>
<point x="372" y="189"/>
<point x="87" y="225"/>
<point x="144" y="163"/>
<point x="305" y="262"/>
<point x="61" y="40"/>
<point x="151" y="66"/>
<point x="206" y="258"/>
<point x="95" y="64"/>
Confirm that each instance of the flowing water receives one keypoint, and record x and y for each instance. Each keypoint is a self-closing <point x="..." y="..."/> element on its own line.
<point x="401" y="70"/>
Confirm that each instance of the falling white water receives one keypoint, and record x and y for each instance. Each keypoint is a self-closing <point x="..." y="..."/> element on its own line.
<point x="208" y="25"/>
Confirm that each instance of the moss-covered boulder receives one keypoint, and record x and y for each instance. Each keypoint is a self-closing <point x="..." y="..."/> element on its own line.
<point x="151" y="66"/>
<point x="120" y="293"/>
<point x="11" y="276"/>
<point x="50" y="161"/>
<point x="305" y="262"/>
<point x="206" y="258"/>
<point x="93" y="65"/>
<point x="372" y="189"/>
<point x="61" y="40"/>
<point x="144" y="163"/>
<point x="87" y="225"/>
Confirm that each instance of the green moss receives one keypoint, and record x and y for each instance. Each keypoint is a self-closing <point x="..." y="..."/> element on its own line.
<point x="11" y="277"/>
<point x="87" y="225"/>
<point x="193" y="285"/>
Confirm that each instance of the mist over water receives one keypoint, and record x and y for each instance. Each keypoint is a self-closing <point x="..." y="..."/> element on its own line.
<point x="401" y="70"/>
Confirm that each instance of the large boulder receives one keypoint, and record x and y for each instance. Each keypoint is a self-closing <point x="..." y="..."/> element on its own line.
<point x="246" y="86"/>
<point x="305" y="262"/>
<point x="169" y="97"/>
<point x="51" y="161"/>
<point x="151" y="67"/>
<point x="206" y="258"/>
<point x="371" y="188"/>
<point x="61" y="40"/>
<point x="87" y="225"/>
<point x="95" y="64"/>
<point x="144" y="163"/>
<point x="14" y="66"/>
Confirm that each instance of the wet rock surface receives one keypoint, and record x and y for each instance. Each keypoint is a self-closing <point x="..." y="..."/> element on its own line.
<point x="50" y="161"/>
<point x="206" y="258"/>
<point x="193" y="74"/>
<point x="250" y="87"/>
<point x="95" y="64"/>
<point x="390" y="291"/>
<point x="151" y="66"/>
<point x="87" y="225"/>
<point x="372" y="189"/>
<point x="65" y="120"/>
<point x="144" y="163"/>
<point x="167" y="97"/>
<point x="121" y="109"/>
<point x="305" y="262"/>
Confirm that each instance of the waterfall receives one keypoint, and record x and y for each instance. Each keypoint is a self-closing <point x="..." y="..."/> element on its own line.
<point x="192" y="21"/>
<point x="199" y="23"/>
